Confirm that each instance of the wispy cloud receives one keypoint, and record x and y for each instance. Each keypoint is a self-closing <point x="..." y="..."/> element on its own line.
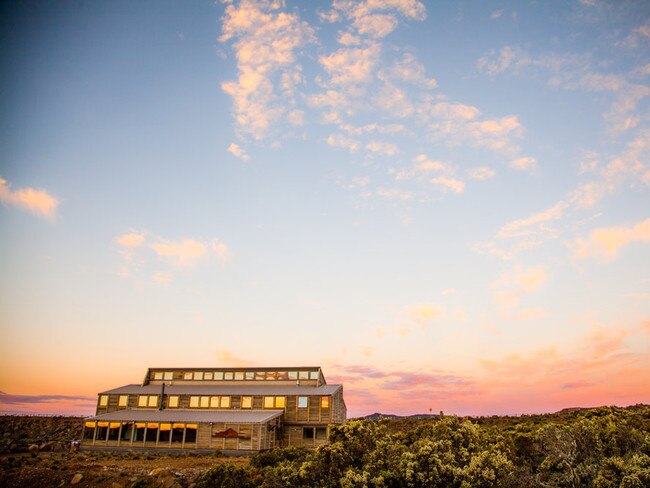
<point x="238" y="152"/>
<point x="512" y="286"/>
<point x="130" y="240"/>
<point x="37" y="202"/>
<point x="480" y="173"/>
<point x="606" y="242"/>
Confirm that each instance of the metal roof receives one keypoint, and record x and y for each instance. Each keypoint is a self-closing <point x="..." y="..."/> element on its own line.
<point x="193" y="416"/>
<point x="257" y="368"/>
<point x="251" y="389"/>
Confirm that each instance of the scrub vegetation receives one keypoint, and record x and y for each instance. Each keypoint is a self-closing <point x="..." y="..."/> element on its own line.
<point x="599" y="447"/>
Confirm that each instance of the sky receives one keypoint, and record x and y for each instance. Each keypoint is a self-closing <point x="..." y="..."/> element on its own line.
<point x="446" y="205"/>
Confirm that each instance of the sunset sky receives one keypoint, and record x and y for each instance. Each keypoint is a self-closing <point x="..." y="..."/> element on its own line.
<point x="446" y="205"/>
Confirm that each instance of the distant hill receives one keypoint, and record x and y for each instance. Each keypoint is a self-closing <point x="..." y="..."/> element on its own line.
<point x="377" y="416"/>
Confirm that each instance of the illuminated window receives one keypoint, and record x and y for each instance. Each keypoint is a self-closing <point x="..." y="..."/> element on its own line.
<point x="302" y="402"/>
<point x="103" y="400"/>
<point x="293" y="375"/>
<point x="173" y="401"/>
<point x="239" y="375"/>
<point x="270" y="375"/>
<point x="158" y="375"/>
<point x="207" y="376"/>
<point x="246" y="402"/>
<point x="205" y="402"/>
<point x="225" y="402"/>
<point x="194" y="402"/>
<point x="198" y="375"/>
<point x="148" y="401"/>
<point x="169" y="375"/>
<point x="218" y="375"/>
<point x="304" y="375"/>
<point x="282" y="375"/>
<point x="123" y="401"/>
<point x="274" y="402"/>
<point x="228" y="375"/>
<point x="325" y="402"/>
<point x="250" y="375"/>
<point x="187" y="376"/>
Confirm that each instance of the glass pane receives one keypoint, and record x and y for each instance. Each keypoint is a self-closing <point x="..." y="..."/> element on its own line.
<point x="158" y="375"/>
<point x="313" y="375"/>
<point x="282" y="375"/>
<point x="268" y="402"/>
<point x="123" y="401"/>
<point x="205" y="401"/>
<point x="187" y="376"/>
<point x="279" y="402"/>
<point x="239" y="375"/>
<point x="103" y="400"/>
<point x="214" y="402"/>
<point x="225" y="402"/>
<point x="228" y="375"/>
<point x="190" y="433"/>
<point x="173" y="401"/>
<point x="218" y="375"/>
<point x="194" y="402"/>
<point x="325" y="402"/>
<point x="207" y="376"/>
<point x="250" y="375"/>
<point x="246" y="402"/>
<point x="198" y="375"/>
<point x="304" y="375"/>
<point x="302" y="402"/>
<point x="293" y="375"/>
<point x="153" y="400"/>
<point x="169" y="375"/>
<point x="142" y="401"/>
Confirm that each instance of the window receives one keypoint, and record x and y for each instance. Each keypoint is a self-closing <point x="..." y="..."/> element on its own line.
<point x="207" y="376"/>
<point x="187" y="376"/>
<point x="165" y="429"/>
<point x="313" y="375"/>
<point x="89" y="430"/>
<point x="190" y="433"/>
<point x="321" y="433"/>
<point x="303" y="375"/>
<point x="302" y="402"/>
<point x="158" y="375"/>
<point x="246" y="402"/>
<point x="102" y="431"/>
<point x="250" y="375"/>
<point x="325" y="402"/>
<point x="114" y="431"/>
<point x="205" y="402"/>
<point x="307" y="432"/>
<point x="225" y="402"/>
<point x="173" y="401"/>
<point x="194" y="402"/>
<point x="103" y="400"/>
<point x="169" y="375"/>
<point x="218" y="375"/>
<point x="127" y="429"/>
<point x="123" y="401"/>
<point x="228" y="375"/>
<point x="239" y="375"/>
<point x="148" y="401"/>
<point x="198" y="375"/>
<point x="274" y="402"/>
<point x="293" y="375"/>
<point x="138" y="433"/>
<point x="177" y="432"/>
<point x="152" y="432"/>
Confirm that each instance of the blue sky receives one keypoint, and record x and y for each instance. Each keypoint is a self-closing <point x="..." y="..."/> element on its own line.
<point x="443" y="204"/>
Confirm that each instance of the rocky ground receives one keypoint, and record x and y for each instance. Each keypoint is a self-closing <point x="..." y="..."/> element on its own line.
<point x="39" y="452"/>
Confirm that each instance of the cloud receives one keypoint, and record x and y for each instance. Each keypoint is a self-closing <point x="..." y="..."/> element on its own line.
<point x="410" y="70"/>
<point x="9" y="399"/>
<point x="37" y="202"/>
<point x="452" y="184"/>
<point x="494" y="63"/>
<point x="394" y="194"/>
<point x="480" y="173"/>
<point x="220" y="248"/>
<point x="524" y="163"/>
<point x="339" y="140"/>
<point x="351" y="65"/>
<point x="238" y="152"/>
<point x="512" y="286"/>
<point x="131" y="240"/>
<point x="424" y="313"/>
<point x="185" y="253"/>
<point x="607" y="241"/>
<point x="162" y="278"/>
<point x="381" y="148"/>
<point x="265" y="42"/>
<point x="535" y="224"/>
<point x="453" y="111"/>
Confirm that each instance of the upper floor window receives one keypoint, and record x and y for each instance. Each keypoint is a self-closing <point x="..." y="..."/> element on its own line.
<point x="239" y="375"/>
<point x="173" y="401"/>
<point x="302" y="402"/>
<point x="123" y="401"/>
<point x="187" y="376"/>
<point x="207" y="376"/>
<point x="274" y="402"/>
<point x="103" y="400"/>
<point x="209" y="402"/>
<point x="246" y="402"/>
<point x="169" y="375"/>
<point x="228" y="375"/>
<point x="220" y="402"/>
<point x="293" y="375"/>
<point x="148" y="401"/>
<point x="250" y="375"/>
<point x="325" y="402"/>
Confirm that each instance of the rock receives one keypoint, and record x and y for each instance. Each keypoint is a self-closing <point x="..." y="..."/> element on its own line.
<point x="115" y="484"/>
<point x="33" y="448"/>
<point x="161" y="472"/>
<point x="77" y="478"/>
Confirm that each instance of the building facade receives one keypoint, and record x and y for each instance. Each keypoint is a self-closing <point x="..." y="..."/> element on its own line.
<point x="226" y="409"/>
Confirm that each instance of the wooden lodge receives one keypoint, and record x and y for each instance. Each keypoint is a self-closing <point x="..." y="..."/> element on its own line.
<point x="233" y="410"/>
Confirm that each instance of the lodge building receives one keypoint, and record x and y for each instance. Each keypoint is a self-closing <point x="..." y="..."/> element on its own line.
<point x="225" y="409"/>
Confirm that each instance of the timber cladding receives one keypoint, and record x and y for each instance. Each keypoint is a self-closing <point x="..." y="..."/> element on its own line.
<point x="223" y="409"/>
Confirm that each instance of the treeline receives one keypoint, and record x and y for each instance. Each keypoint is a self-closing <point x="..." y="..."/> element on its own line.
<point x="601" y="447"/>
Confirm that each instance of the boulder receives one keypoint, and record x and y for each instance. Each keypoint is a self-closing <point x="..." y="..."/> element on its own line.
<point x="77" y="479"/>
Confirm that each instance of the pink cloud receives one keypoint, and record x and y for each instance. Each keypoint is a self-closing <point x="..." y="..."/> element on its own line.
<point x="37" y="202"/>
